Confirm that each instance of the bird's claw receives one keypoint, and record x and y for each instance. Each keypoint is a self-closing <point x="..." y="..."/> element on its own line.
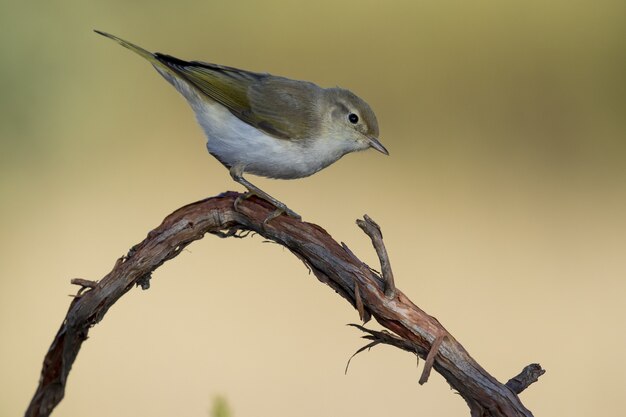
<point x="289" y="212"/>
<point x="280" y="207"/>
<point x="272" y="216"/>
<point x="240" y="198"/>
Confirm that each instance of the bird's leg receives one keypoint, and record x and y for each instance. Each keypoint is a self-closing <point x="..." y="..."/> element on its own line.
<point x="236" y="172"/>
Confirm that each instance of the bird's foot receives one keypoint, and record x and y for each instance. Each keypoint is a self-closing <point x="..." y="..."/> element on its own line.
<point x="280" y="207"/>
<point x="272" y="216"/>
<point x="240" y="198"/>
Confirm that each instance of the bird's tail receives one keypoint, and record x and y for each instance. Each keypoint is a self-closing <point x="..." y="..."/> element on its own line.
<point x="137" y="49"/>
<point x="165" y="70"/>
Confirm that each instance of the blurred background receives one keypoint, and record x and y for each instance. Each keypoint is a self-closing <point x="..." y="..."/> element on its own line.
<point x="502" y="204"/>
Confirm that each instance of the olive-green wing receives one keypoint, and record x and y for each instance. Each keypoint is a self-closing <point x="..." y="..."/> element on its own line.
<point x="288" y="108"/>
<point x="228" y="86"/>
<point x="278" y="106"/>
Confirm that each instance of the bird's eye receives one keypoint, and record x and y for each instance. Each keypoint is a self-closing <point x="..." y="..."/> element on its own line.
<point x="354" y="119"/>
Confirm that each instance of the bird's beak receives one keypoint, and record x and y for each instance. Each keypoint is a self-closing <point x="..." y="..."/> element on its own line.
<point x="375" y="143"/>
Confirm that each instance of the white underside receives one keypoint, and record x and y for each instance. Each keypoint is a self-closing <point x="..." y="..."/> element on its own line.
<point x="236" y="143"/>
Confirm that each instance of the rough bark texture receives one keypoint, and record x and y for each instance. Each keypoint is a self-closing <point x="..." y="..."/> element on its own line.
<point x="332" y="263"/>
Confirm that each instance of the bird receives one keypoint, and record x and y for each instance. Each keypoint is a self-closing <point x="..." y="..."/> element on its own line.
<point x="267" y="125"/>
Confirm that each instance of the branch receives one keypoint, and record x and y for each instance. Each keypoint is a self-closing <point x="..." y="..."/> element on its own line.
<point x="332" y="263"/>
<point x="529" y="375"/>
<point x="372" y="229"/>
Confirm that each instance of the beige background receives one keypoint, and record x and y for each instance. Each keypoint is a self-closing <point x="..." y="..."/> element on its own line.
<point x="503" y="203"/>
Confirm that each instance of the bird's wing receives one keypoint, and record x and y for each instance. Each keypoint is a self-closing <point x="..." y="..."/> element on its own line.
<point x="286" y="108"/>
<point x="278" y="106"/>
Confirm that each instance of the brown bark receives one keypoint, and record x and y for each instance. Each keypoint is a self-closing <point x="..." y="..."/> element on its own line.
<point x="332" y="263"/>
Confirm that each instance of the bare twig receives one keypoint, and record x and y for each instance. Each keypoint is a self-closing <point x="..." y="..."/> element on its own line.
<point x="366" y="347"/>
<point x="85" y="284"/>
<point x="388" y="338"/>
<point x="372" y="229"/>
<point x="334" y="265"/>
<point x="529" y="375"/>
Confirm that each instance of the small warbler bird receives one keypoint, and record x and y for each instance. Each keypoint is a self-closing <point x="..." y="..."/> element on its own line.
<point x="268" y="125"/>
